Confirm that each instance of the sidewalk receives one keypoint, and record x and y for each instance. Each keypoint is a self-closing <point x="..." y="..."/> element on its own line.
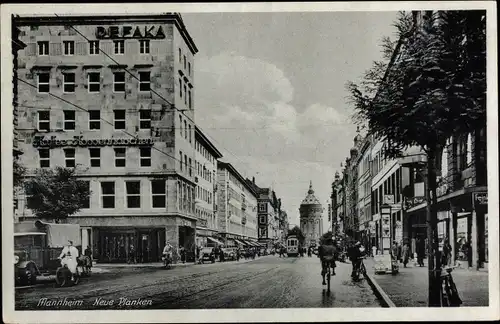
<point x="408" y="288"/>
<point x="160" y="264"/>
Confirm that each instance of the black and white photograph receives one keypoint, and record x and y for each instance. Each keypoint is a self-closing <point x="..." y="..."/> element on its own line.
<point x="249" y="162"/>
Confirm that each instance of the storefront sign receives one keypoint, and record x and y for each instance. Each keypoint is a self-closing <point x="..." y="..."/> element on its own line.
<point x="202" y="222"/>
<point x="115" y="32"/>
<point x="479" y="199"/>
<point x="389" y="199"/>
<point x="41" y="141"/>
<point x="414" y="201"/>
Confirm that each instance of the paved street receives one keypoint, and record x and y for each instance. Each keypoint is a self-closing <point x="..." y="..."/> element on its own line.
<point x="267" y="282"/>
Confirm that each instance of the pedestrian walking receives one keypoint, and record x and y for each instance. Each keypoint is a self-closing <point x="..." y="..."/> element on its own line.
<point x="374" y="250"/>
<point x="447" y="250"/>
<point x="131" y="254"/>
<point x="420" y="252"/>
<point x="406" y="254"/>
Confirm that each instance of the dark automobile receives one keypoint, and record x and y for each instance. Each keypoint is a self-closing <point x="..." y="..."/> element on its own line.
<point x="229" y="254"/>
<point x="207" y="254"/>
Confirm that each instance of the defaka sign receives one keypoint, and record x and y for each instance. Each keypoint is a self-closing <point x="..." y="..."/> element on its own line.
<point x="40" y="141"/>
<point x="121" y="32"/>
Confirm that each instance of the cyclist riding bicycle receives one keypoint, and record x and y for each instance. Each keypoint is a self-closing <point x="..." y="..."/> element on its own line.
<point x="327" y="252"/>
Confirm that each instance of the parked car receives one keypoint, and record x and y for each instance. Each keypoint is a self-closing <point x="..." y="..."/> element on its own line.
<point x="229" y="254"/>
<point x="207" y="254"/>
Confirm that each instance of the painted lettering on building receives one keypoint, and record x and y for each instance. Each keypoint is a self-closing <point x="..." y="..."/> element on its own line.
<point x="41" y="141"/>
<point x="117" y="32"/>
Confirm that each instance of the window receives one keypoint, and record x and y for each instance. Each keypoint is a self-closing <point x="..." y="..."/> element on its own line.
<point x="189" y="133"/>
<point x="43" y="82"/>
<point x="180" y="124"/>
<point x="180" y="55"/>
<point x="144" y="119"/>
<point x="120" y="157"/>
<point x="119" y="119"/>
<point x="185" y="62"/>
<point x="119" y="81"/>
<point x="94" y="119"/>
<point x="189" y="100"/>
<point x="144" y="46"/>
<point x="190" y="168"/>
<point x="93" y="47"/>
<point x="69" y="47"/>
<point x="95" y="157"/>
<point x="262" y="207"/>
<point x="119" y="46"/>
<point x="158" y="193"/>
<point x="133" y="194"/>
<point x="94" y="82"/>
<point x="69" y="157"/>
<point x="180" y="87"/>
<point x="145" y="156"/>
<point x="44" y="155"/>
<point x="86" y="203"/>
<point x="108" y="194"/>
<point x="185" y="95"/>
<point x="189" y="68"/>
<point x="69" y="120"/>
<point x="180" y="152"/>
<point x="43" y="48"/>
<point x="69" y="82"/>
<point x="185" y="130"/>
<point x="144" y="81"/>
<point x="44" y="120"/>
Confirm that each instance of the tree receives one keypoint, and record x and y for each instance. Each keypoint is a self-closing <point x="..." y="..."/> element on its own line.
<point x="18" y="172"/>
<point x="432" y="88"/>
<point x="297" y="232"/>
<point x="55" y="194"/>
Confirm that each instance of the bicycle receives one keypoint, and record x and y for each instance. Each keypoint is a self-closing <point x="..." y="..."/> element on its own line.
<point x="359" y="269"/>
<point x="449" y="291"/>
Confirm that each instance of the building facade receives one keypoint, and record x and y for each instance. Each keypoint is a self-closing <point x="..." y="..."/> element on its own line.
<point x="337" y="203"/>
<point x="205" y="164"/>
<point x="311" y="218"/>
<point x="237" y="206"/>
<point x="366" y="229"/>
<point x="113" y="96"/>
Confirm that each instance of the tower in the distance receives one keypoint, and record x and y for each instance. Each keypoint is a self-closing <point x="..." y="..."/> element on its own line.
<point x="311" y="217"/>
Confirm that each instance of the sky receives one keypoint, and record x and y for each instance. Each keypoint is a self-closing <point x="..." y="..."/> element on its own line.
<point x="270" y="92"/>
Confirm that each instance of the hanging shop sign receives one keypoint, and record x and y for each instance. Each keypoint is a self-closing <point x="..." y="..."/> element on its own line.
<point x="41" y="141"/>
<point x="116" y="32"/>
<point x="479" y="199"/>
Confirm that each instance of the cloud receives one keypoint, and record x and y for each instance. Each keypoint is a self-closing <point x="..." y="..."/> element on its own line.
<point x="246" y="106"/>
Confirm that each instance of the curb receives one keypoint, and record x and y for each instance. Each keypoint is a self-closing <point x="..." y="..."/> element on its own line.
<point x="379" y="292"/>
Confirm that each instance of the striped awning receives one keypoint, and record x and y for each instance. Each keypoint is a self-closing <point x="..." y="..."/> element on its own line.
<point x="240" y="242"/>
<point x="214" y="240"/>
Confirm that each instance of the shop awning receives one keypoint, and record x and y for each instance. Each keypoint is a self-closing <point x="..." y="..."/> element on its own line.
<point x="240" y="242"/>
<point x="214" y="240"/>
<point x="254" y="243"/>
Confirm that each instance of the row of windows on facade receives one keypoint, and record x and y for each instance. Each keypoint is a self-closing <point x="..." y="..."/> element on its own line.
<point x="69" y="120"/>
<point x="95" y="157"/>
<point x="132" y="194"/>
<point x="118" y="45"/>
<point x="391" y="186"/>
<point x="203" y="151"/>
<point x="94" y="84"/>
<point x="203" y="194"/>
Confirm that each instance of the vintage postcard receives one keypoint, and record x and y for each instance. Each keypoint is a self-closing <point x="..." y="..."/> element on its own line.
<point x="249" y="162"/>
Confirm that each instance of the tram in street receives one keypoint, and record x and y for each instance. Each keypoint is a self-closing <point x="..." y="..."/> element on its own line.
<point x="292" y="246"/>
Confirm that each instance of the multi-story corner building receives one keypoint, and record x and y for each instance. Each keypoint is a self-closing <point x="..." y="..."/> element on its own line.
<point x="237" y="207"/>
<point x="205" y="165"/>
<point x="269" y="208"/>
<point x="113" y="96"/>
<point x="365" y="227"/>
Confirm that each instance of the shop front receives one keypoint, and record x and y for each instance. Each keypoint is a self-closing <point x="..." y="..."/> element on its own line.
<point x="139" y="239"/>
